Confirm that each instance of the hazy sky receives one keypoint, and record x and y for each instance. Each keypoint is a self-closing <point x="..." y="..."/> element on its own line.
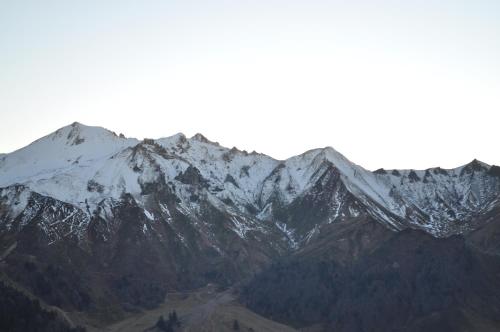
<point x="394" y="84"/>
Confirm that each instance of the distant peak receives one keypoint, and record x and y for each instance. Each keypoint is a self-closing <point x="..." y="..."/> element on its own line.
<point x="200" y="138"/>
<point x="476" y="165"/>
<point x="380" y="171"/>
<point x="179" y="137"/>
<point x="77" y="133"/>
<point x="77" y="126"/>
<point x="72" y="134"/>
<point x="476" y="162"/>
<point x="333" y="154"/>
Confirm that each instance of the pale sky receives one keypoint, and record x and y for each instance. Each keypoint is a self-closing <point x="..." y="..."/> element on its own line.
<point x="393" y="84"/>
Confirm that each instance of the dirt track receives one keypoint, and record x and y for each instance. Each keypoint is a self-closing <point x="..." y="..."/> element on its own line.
<point x="203" y="310"/>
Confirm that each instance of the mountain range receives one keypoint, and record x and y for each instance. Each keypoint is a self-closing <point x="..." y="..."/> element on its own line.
<point x="96" y="223"/>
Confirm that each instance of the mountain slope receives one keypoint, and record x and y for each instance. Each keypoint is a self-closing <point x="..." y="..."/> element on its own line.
<point x="404" y="281"/>
<point x="21" y="313"/>
<point x="97" y="222"/>
<point x="84" y="165"/>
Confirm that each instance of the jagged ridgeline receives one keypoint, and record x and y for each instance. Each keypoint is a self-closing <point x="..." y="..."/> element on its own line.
<point x="96" y="222"/>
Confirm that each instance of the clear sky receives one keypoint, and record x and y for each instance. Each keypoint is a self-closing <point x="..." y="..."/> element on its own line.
<point x="394" y="84"/>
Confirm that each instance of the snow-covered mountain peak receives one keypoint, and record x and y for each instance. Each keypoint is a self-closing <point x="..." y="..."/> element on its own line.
<point x="84" y="165"/>
<point x="71" y="146"/>
<point x="475" y="166"/>
<point x="315" y="157"/>
<point x="77" y="134"/>
<point x="334" y="156"/>
<point x="176" y="138"/>
<point x="296" y="175"/>
<point x="200" y="138"/>
<point x="174" y="142"/>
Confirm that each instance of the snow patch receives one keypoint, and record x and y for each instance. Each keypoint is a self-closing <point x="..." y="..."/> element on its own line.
<point x="289" y="234"/>
<point x="149" y="215"/>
